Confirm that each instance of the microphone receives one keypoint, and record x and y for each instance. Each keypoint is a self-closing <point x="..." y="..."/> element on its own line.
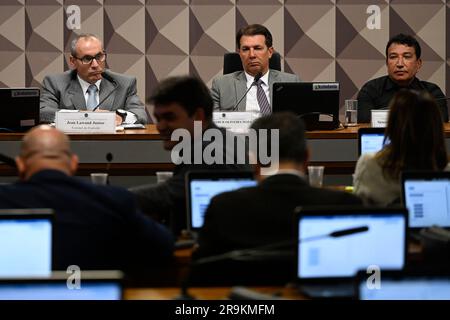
<point x="255" y="80"/>
<point x="262" y="252"/>
<point x="8" y="160"/>
<point x="109" y="158"/>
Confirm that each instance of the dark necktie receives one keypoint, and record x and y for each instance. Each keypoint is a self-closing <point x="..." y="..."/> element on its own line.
<point x="264" y="105"/>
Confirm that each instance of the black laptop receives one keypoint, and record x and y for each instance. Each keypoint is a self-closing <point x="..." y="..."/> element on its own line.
<point x="334" y="244"/>
<point x="317" y="103"/>
<point x="61" y="285"/>
<point x="26" y="237"/>
<point x="20" y="109"/>
<point x="202" y="186"/>
<point x="404" y="285"/>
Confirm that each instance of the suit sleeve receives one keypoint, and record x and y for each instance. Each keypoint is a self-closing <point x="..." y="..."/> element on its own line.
<point x="365" y="103"/>
<point x="133" y="103"/>
<point x="215" y="94"/>
<point x="49" y="101"/>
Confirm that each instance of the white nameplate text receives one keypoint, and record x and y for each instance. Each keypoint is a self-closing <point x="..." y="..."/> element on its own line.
<point x="379" y="118"/>
<point x="237" y="122"/>
<point x="85" y="122"/>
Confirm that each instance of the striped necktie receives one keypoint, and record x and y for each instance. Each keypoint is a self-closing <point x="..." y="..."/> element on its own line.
<point x="91" y="101"/>
<point x="264" y="105"/>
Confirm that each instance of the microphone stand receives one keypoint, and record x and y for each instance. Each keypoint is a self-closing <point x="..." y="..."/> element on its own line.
<point x="255" y="80"/>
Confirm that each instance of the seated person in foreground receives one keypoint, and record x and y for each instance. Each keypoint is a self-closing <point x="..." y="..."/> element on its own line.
<point x="89" y="86"/>
<point x="183" y="103"/>
<point x="414" y="140"/>
<point x="95" y="227"/>
<point x="254" y="44"/>
<point x="264" y="214"/>
<point x="403" y="63"/>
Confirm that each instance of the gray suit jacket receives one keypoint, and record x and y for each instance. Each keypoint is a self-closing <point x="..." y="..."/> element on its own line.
<point x="63" y="91"/>
<point x="228" y="89"/>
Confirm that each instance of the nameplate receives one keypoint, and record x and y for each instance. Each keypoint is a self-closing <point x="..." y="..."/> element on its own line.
<point x="86" y="122"/>
<point x="379" y="118"/>
<point x="237" y="122"/>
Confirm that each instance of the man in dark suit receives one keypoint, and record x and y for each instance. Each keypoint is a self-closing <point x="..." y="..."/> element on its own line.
<point x="254" y="44"/>
<point x="403" y="62"/>
<point x="95" y="227"/>
<point x="181" y="103"/>
<point x="89" y="86"/>
<point x="264" y="214"/>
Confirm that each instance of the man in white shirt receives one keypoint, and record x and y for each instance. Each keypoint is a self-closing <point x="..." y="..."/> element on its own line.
<point x="89" y="86"/>
<point x="254" y="44"/>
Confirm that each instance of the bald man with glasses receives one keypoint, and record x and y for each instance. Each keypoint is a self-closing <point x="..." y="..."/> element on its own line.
<point x="90" y="86"/>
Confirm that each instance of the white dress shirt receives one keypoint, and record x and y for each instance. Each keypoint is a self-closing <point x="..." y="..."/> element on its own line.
<point x="129" y="119"/>
<point x="252" y="100"/>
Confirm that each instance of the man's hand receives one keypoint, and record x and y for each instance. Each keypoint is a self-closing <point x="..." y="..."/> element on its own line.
<point x="118" y="118"/>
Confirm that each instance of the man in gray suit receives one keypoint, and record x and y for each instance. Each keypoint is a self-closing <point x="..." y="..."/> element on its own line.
<point x="254" y="44"/>
<point x="89" y="86"/>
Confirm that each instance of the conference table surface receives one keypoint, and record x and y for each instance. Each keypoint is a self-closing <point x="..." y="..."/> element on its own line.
<point x="140" y="152"/>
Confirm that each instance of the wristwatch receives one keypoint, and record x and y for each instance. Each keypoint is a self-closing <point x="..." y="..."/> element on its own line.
<point x="122" y="113"/>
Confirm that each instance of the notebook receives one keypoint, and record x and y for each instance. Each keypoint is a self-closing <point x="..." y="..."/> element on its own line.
<point x="93" y="285"/>
<point x="202" y="186"/>
<point x="317" y="103"/>
<point x="334" y="244"/>
<point x="20" y="109"/>
<point x="427" y="197"/>
<point x="395" y="285"/>
<point x="370" y="140"/>
<point x="26" y="238"/>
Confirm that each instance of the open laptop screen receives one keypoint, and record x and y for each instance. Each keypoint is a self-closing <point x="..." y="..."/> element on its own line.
<point x="427" y="197"/>
<point x="323" y="256"/>
<point x="370" y="140"/>
<point x="26" y="243"/>
<point x="406" y="288"/>
<point x="58" y="286"/>
<point x="203" y="186"/>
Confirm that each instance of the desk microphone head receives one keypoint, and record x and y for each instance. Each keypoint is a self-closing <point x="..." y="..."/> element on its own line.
<point x="109" y="158"/>
<point x="257" y="77"/>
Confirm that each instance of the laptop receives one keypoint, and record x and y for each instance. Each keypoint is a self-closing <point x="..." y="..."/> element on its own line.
<point x="20" y="109"/>
<point x="317" y="103"/>
<point x="397" y="285"/>
<point x="370" y="140"/>
<point x="334" y="244"/>
<point x="202" y="186"/>
<point x="60" y="285"/>
<point x="26" y="242"/>
<point x="427" y="197"/>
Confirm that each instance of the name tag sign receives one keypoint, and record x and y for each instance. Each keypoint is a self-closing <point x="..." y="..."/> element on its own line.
<point x="76" y="121"/>
<point x="238" y="122"/>
<point x="379" y="118"/>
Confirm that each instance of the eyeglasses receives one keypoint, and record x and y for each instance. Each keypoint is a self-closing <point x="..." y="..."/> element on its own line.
<point x="99" y="57"/>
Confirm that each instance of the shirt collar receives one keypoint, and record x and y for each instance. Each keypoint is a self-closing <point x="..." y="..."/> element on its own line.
<point x="288" y="171"/>
<point x="85" y="85"/>
<point x="390" y="84"/>
<point x="264" y="78"/>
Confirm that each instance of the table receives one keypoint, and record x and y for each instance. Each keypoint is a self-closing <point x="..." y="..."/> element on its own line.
<point x="141" y="152"/>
